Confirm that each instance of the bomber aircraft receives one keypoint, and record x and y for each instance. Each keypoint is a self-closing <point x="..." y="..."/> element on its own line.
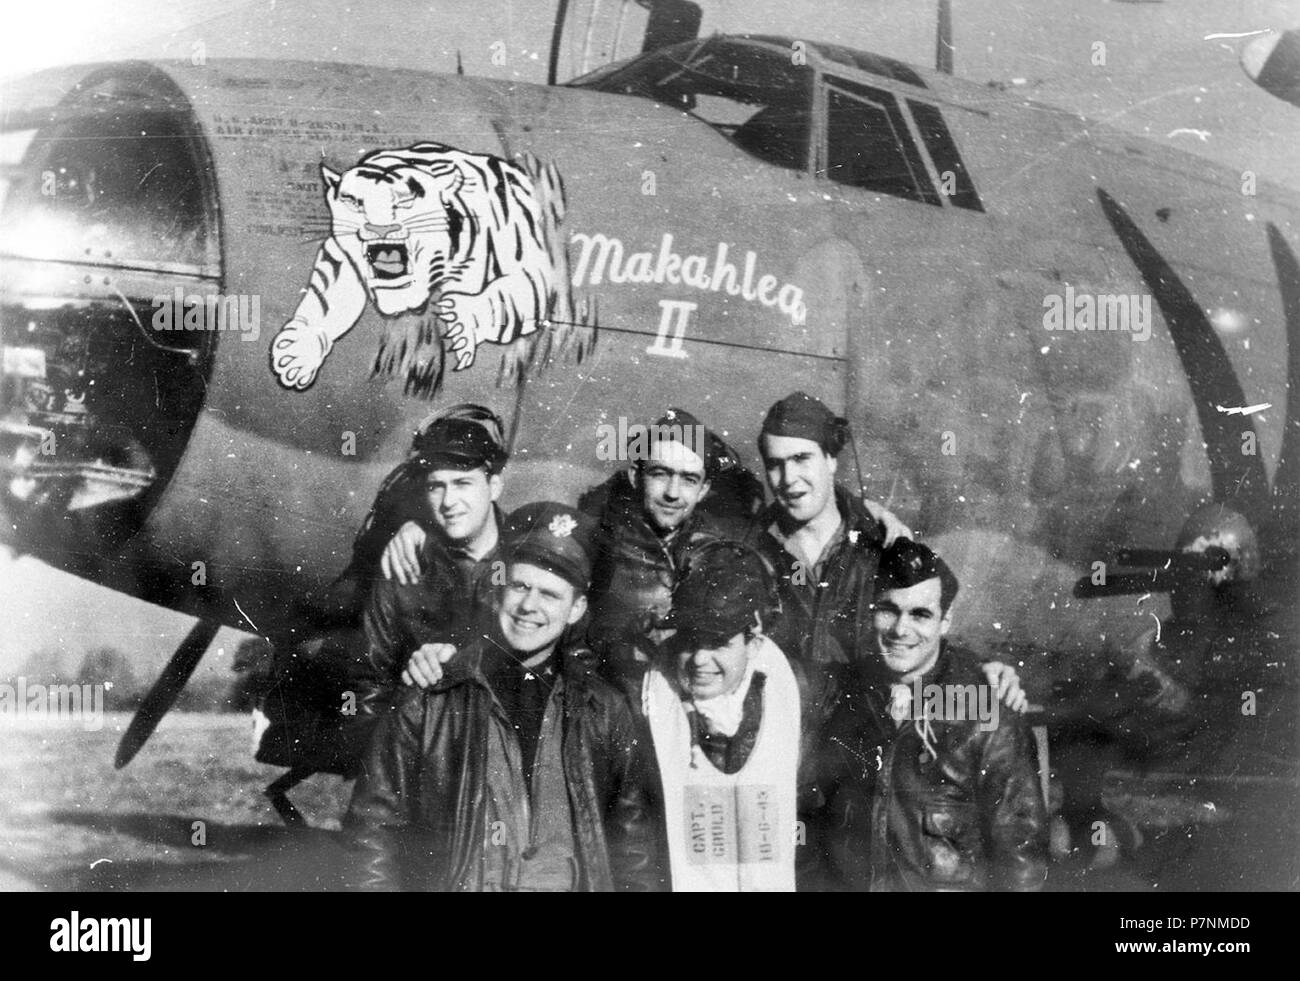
<point x="230" y="291"/>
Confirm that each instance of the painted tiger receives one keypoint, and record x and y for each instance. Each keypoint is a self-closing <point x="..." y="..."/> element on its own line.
<point x="471" y="240"/>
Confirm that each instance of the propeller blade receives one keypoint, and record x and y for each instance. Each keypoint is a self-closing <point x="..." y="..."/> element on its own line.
<point x="1286" y="481"/>
<point x="1211" y="560"/>
<point x="943" y="49"/>
<point x="162" y="696"/>
<point x="1125" y="584"/>
<point x="1238" y="478"/>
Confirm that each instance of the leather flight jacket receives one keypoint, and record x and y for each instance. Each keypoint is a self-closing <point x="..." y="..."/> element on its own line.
<point x="419" y="813"/>
<point x="332" y="686"/>
<point x="636" y="570"/>
<point x="449" y="604"/>
<point x="963" y="814"/>
<point x="826" y="620"/>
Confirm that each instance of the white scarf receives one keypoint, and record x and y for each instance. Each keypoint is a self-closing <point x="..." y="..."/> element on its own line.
<point x="729" y="832"/>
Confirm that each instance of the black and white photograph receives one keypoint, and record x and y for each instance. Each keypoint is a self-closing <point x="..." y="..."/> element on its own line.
<point x="651" y="446"/>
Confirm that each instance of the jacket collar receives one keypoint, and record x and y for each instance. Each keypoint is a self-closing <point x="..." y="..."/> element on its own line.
<point x="859" y="526"/>
<point x="876" y="684"/>
<point x="623" y="510"/>
<point x="572" y="663"/>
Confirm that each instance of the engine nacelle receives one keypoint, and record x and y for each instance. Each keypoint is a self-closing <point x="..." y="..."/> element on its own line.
<point x="109" y="201"/>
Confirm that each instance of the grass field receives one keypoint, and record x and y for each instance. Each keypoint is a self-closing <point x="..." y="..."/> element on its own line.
<point x="68" y="820"/>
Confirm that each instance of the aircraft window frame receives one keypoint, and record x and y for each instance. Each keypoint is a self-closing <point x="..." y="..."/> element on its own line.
<point x="873" y="64"/>
<point x="933" y="128"/>
<point x="906" y="141"/>
<point x="784" y="136"/>
<point x="165" y="224"/>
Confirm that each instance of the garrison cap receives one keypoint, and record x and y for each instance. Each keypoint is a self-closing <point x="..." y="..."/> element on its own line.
<point x="906" y="563"/>
<point x="802" y="416"/>
<point x="679" y="426"/>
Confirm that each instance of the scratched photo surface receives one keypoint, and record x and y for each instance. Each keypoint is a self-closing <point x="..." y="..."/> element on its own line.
<point x="1041" y="255"/>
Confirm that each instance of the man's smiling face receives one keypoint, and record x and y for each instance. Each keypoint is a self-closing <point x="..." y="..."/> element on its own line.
<point x="535" y="606"/>
<point x="672" y="484"/>
<point x="460" y="501"/>
<point x="909" y="625"/>
<point x="709" y="667"/>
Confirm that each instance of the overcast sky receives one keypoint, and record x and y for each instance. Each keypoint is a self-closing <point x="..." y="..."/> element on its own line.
<point x="1166" y="77"/>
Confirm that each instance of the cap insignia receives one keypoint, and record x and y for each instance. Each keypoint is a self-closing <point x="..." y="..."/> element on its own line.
<point x="562" y="525"/>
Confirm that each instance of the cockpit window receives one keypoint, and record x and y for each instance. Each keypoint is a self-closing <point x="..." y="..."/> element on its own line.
<point x="125" y="186"/>
<point x="755" y="96"/>
<point x="873" y="63"/>
<point x="868" y="144"/>
<point x="954" y="178"/>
